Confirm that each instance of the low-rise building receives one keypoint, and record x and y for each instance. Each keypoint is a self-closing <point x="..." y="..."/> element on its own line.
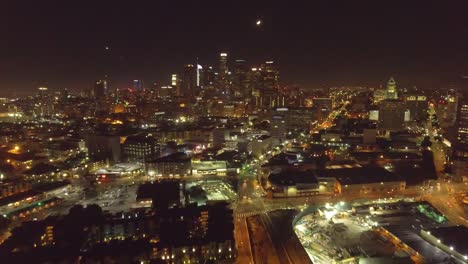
<point x="209" y="167"/>
<point x="177" y="164"/>
<point x="261" y="145"/>
<point x="292" y="184"/>
<point x="364" y="180"/>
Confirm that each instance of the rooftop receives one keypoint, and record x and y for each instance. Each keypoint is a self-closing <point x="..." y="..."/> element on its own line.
<point x="293" y="177"/>
<point x="176" y="157"/>
<point x="360" y="175"/>
<point x="140" y="139"/>
<point x="453" y="236"/>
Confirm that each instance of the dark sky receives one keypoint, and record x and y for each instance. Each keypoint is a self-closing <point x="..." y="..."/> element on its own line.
<point x="316" y="43"/>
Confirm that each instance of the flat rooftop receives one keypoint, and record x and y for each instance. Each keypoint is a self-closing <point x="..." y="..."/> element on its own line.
<point x="209" y="165"/>
<point x="454" y="236"/>
<point x="292" y="177"/>
<point x="360" y="175"/>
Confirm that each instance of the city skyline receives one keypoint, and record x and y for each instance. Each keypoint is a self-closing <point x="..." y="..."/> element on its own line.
<point x="309" y="132"/>
<point x="319" y="45"/>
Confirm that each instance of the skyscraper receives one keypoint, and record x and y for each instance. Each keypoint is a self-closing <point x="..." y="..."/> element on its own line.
<point x="222" y="80"/>
<point x="189" y="81"/>
<point x="209" y="76"/>
<point x="270" y="76"/>
<point x="138" y="85"/>
<point x="223" y="64"/>
<point x="100" y="89"/>
<point x="392" y="92"/>
<point x="265" y="84"/>
<point x="176" y="83"/>
<point x="199" y="75"/>
<point x="392" y="115"/>
<point x="42" y="92"/>
<point x="462" y="123"/>
<point x="240" y="80"/>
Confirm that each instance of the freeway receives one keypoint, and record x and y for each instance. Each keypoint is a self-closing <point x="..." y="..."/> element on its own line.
<point x="288" y="247"/>
<point x="242" y="238"/>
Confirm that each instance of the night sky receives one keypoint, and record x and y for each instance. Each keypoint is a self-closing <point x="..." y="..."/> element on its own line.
<point x="320" y="44"/>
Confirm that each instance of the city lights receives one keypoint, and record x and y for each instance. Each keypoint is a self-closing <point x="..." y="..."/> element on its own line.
<point x="243" y="133"/>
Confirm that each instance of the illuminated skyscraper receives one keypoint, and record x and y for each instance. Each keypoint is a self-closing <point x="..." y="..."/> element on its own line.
<point x="240" y="80"/>
<point x="176" y="83"/>
<point x="209" y="76"/>
<point x="462" y="123"/>
<point x="42" y="92"/>
<point x="138" y="85"/>
<point x="392" y="92"/>
<point x="199" y="75"/>
<point x="100" y="89"/>
<point x="265" y="83"/>
<point x="223" y="64"/>
<point x="270" y="76"/>
<point x="223" y="78"/>
<point x="392" y="115"/>
<point x="189" y="81"/>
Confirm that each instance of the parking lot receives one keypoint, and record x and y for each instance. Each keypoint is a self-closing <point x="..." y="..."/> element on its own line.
<point x="210" y="190"/>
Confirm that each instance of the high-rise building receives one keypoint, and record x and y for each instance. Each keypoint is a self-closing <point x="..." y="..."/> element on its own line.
<point x="138" y="85"/>
<point x="209" y="76"/>
<point x="189" y="81"/>
<point x="42" y="92"/>
<point x="392" y="92"/>
<point x="447" y="113"/>
<point x="270" y="76"/>
<point x="223" y="75"/>
<point x="140" y="148"/>
<point x="199" y="75"/>
<point x="176" y="83"/>
<point x="392" y="115"/>
<point x="462" y="123"/>
<point x="255" y="80"/>
<point x="240" y="80"/>
<point x="223" y="64"/>
<point x="265" y="83"/>
<point x="100" y="89"/>
<point x="417" y="105"/>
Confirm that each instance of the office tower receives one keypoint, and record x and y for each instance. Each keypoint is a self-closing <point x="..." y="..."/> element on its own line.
<point x="176" y="83"/>
<point x="103" y="147"/>
<point x="460" y="146"/>
<point x="392" y="115"/>
<point x="270" y="76"/>
<point x="462" y="123"/>
<point x="417" y="105"/>
<point x="140" y="148"/>
<point x="42" y="92"/>
<point x="223" y="75"/>
<point x="199" y="75"/>
<point x="392" y="92"/>
<point x="138" y="85"/>
<point x="240" y="80"/>
<point x="209" y="76"/>
<point x="223" y="64"/>
<point x="44" y="106"/>
<point x="189" y="81"/>
<point x="100" y="89"/>
<point x="265" y="83"/>
<point x="447" y="113"/>
<point x="255" y="80"/>
<point x="166" y="91"/>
